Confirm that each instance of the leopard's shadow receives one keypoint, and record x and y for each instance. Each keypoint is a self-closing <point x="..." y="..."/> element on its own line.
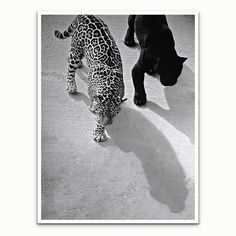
<point x="132" y="132"/>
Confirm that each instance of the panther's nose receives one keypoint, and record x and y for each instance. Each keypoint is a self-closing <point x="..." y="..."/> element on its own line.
<point x="168" y="81"/>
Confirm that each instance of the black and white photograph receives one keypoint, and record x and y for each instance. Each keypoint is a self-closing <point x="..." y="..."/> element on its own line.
<point x="118" y="118"/>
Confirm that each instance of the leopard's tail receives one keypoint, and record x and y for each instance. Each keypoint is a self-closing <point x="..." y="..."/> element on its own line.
<point x="67" y="33"/>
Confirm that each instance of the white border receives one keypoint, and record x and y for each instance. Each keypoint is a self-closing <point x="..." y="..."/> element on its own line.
<point x="38" y="211"/>
<point x="196" y="220"/>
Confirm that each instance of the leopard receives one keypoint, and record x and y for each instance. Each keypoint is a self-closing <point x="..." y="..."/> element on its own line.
<point x="91" y="39"/>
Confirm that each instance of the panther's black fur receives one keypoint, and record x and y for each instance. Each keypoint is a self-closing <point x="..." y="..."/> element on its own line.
<point x="158" y="54"/>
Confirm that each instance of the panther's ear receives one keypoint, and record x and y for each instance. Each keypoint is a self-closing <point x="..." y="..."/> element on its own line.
<point x="182" y="59"/>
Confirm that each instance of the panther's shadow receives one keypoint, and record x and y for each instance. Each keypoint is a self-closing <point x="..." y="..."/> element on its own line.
<point x="181" y="102"/>
<point x="132" y="132"/>
<point x="180" y="99"/>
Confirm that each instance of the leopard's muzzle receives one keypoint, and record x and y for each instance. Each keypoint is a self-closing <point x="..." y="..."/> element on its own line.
<point x="107" y="121"/>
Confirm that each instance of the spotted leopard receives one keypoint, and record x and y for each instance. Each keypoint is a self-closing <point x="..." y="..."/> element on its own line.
<point x="92" y="39"/>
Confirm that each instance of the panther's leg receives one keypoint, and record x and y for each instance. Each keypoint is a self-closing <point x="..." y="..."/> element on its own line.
<point x="129" y="38"/>
<point x="74" y="63"/>
<point x="155" y="68"/>
<point x="145" y="62"/>
<point x="99" y="133"/>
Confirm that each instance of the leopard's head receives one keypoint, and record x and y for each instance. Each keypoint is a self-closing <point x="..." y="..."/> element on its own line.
<point x="106" y="107"/>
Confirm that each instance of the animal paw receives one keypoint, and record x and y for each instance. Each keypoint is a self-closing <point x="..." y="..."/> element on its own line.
<point x="71" y="87"/>
<point x="99" y="137"/>
<point x="139" y="99"/>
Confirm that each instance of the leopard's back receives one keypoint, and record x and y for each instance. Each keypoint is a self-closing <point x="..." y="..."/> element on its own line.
<point x="94" y="37"/>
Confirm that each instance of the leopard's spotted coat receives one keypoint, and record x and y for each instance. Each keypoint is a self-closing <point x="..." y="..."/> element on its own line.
<point x="92" y="39"/>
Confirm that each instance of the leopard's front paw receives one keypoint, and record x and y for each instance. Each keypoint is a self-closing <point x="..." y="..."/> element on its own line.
<point x="99" y="137"/>
<point x="99" y="133"/>
<point x="71" y="87"/>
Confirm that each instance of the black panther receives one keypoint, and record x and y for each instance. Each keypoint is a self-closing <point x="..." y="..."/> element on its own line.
<point x="157" y="55"/>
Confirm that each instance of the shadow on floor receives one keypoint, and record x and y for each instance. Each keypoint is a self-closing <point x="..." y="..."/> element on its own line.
<point x="181" y="102"/>
<point x="132" y="132"/>
<point x="54" y="75"/>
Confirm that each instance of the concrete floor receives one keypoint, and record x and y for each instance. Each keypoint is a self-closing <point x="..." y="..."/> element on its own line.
<point x="146" y="168"/>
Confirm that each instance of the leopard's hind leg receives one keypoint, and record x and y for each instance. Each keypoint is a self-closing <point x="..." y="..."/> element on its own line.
<point x="74" y="60"/>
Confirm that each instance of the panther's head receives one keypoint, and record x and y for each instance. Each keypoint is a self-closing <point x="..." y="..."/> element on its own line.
<point x="106" y="107"/>
<point x="170" y="69"/>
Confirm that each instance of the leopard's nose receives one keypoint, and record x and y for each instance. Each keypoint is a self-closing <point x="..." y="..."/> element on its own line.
<point x="107" y="121"/>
